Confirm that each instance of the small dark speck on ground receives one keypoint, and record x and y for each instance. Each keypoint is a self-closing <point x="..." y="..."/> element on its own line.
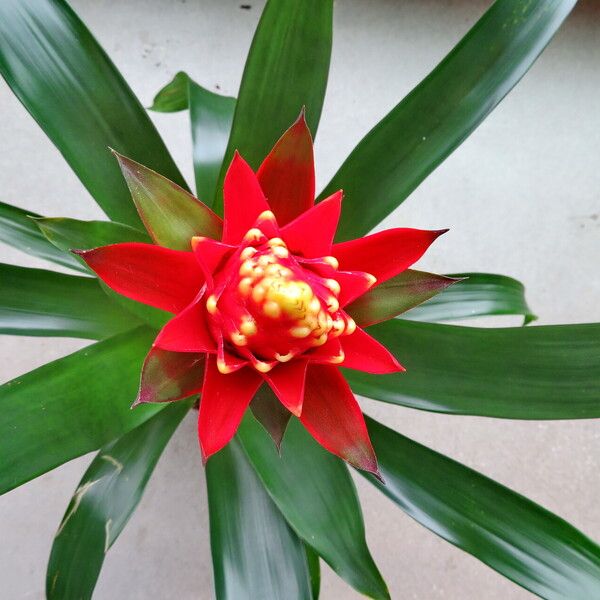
<point x="217" y="86"/>
<point x="246" y="6"/>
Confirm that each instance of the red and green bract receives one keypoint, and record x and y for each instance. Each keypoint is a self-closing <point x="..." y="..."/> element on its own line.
<point x="265" y="304"/>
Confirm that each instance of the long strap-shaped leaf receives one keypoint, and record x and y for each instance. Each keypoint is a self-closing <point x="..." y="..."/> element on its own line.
<point x="286" y="69"/>
<point x="315" y="493"/>
<point x="103" y="502"/>
<point x="211" y="116"/>
<point x="68" y="234"/>
<point x="508" y="532"/>
<point x="75" y="93"/>
<point x="441" y="112"/>
<point x="255" y="553"/>
<point x="18" y="229"/>
<point x="480" y="294"/>
<point x="70" y="406"/>
<point x="314" y="571"/>
<point x="546" y="372"/>
<point x="45" y="303"/>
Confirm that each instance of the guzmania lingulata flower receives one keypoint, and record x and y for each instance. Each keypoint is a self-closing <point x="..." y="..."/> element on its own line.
<point x="265" y="304"/>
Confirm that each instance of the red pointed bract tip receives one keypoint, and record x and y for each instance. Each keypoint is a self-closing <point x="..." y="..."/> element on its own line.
<point x="266" y="305"/>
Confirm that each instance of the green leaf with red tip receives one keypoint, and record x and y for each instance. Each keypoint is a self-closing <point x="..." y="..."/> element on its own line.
<point x="103" y="502"/>
<point x="397" y="295"/>
<point x="72" y="89"/>
<point x="19" y="230"/>
<point x="442" y="111"/>
<point x="45" y="303"/>
<point x="521" y="540"/>
<point x="171" y="215"/>
<point x="211" y="116"/>
<point x="173" y="97"/>
<point x="255" y="553"/>
<point x="286" y="69"/>
<point x="270" y="413"/>
<point x="315" y="493"/>
<point x="475" y="295"/>
<point x="169" y="376"/>
<point x="70" y="406"/>
<point x="545" y="372"/>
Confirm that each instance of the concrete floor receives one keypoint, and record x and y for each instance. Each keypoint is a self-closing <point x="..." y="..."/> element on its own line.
<point x="521" y="197"/>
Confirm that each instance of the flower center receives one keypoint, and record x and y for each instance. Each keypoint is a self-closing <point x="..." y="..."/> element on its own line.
<point x="273" y="307"/>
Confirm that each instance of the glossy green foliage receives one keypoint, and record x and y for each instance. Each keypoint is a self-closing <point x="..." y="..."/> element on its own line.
<point x="286" y="69"/>
<point x="70" y="406"/>
<point x="316" y="494"/>
<point x="211" y="116"/>
<point x="173" y="97"/>
<point x="45" y="303"/>
<point x="71" y="234"/>
<point x="75" y="93"/>
<point x="480" y="294"/>
<point x="255" y="553"/>
<point x="171" y="215"/>
<point x="18" y="229"/>
<point x="105" y="498"/>
<point x="546" y="372"/>
<point x="513" y="535"/>
<point x="314" y="571"/>
<point x="437" y="116"/>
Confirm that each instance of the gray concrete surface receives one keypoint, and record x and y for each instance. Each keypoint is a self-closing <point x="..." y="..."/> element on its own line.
<point x="521" y="196"/>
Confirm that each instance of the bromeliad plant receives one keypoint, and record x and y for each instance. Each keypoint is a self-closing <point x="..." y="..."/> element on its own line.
<point x="281" y="306"/>
<point x="266" y="304"/>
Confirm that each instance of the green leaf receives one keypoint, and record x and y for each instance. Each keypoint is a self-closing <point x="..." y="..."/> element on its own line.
<point x="316" y="494"/>
<point x="68" y="234"/>
<point x="71" y="234"/>
<point x="171" y="215"/>
<point x="255" y="553"/>
<point x="211" y="116"/>
<point x="18" y="229"/>
<point x="480" y="294"/>
<point x="45" y="303"/>
<point x="72" y="89"/>
<point x="314" y="571"/>
<point x="104" y="501"/>
<point x="442" y="111"/>
<point x="286" y="69"/>
<point x="546" y="372"/>
<point x="397" y="295"/>
<point x="516" y="537"/>
<point x="71" y="406"/>
<point x="173" y="97"/>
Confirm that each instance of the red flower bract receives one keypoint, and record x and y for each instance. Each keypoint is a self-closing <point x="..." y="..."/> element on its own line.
<point x="266" y="304"/>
